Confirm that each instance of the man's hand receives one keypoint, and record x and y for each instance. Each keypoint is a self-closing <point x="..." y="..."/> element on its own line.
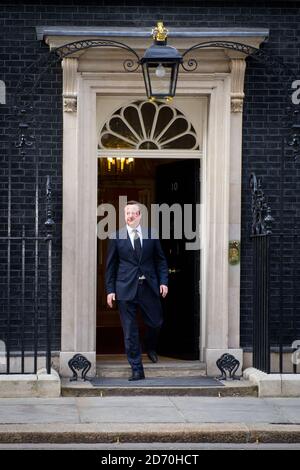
<point x="110" y="299"/>
<point x="163" y="290"/>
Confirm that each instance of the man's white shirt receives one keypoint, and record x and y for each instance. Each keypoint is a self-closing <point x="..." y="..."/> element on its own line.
<point x="131" y="233"/>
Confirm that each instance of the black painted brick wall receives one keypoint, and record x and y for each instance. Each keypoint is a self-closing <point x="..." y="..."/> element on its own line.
<point x="264" y="105"/>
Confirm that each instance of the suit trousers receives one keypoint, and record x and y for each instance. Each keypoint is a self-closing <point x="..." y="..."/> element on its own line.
<point x="151" y="310"/>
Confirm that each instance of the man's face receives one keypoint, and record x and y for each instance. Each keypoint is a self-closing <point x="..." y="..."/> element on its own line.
<point x="132" y="215"/>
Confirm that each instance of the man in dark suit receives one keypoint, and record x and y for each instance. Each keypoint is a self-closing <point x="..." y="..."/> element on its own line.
<point x="136" y="275"/>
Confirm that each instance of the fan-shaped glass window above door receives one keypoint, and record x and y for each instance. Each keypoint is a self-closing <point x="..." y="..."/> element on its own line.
<point x="145" y="125"/>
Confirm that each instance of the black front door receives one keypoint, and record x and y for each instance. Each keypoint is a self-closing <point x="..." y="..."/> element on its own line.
<point x="178" y="183"/>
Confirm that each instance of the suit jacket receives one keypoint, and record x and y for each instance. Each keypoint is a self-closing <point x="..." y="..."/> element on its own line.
<point x="123" y="268"/>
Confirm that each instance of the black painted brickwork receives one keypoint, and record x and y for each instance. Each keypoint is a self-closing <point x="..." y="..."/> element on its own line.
<point x="262" y="118"/>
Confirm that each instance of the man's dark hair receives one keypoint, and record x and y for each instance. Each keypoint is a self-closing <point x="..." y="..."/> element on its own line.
<point x="133" y="203"/>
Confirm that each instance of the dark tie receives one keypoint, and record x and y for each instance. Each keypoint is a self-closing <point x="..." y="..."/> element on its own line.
<point x="137" y="244"/>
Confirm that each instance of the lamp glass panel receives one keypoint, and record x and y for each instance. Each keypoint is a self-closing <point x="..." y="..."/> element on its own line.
<point x="160" y="86"/>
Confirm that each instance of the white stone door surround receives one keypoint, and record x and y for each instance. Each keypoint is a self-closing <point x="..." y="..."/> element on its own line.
<point x="220" y="77"/>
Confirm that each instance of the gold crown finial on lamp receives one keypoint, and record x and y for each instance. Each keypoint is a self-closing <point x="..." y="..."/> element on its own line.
<point x="160" y="32"/>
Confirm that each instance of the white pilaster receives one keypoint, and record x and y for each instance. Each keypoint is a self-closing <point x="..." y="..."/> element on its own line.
<point x="79" y="234"/>
<point x="223" y="319"/>
<point x="217" y="220"/>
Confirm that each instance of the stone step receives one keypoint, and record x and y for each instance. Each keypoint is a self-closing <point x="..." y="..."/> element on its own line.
<point x="231" y="388"/>
<point x="163" y="368"/>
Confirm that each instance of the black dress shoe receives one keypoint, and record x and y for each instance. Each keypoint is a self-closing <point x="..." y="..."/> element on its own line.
<point x="137" y="375"/>
<point x="152" y="356"/>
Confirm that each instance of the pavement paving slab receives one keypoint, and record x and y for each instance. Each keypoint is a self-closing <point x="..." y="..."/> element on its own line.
<point x="149" y="419"/>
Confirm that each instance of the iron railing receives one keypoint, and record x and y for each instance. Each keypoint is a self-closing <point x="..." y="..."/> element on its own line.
<point x="27" y="297"/>
<point x="284" y="302"/>
<point x="260" y="233"/>
<point x="276" y="301"/>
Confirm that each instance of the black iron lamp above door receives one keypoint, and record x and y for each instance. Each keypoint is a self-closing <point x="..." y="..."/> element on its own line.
<point x="160" y="65"/>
